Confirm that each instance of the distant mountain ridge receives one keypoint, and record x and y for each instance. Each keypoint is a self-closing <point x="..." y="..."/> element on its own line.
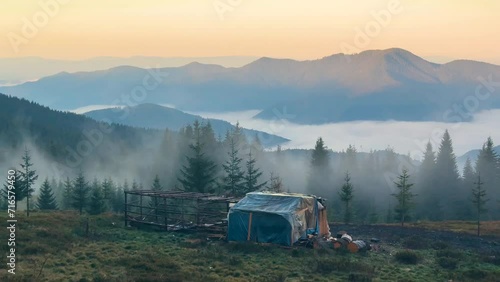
<point x="391" y="84"/>
<point x="18" y="70"/>
<point x="160" y="117"/>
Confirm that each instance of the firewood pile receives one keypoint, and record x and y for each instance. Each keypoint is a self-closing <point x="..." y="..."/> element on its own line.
<point x="345" y="241"/>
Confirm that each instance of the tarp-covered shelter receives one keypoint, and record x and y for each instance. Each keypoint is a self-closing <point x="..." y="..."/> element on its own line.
<point x="279" y="218"/>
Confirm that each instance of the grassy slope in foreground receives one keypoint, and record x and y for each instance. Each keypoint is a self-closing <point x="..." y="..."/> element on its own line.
<point x="54" y="247"/>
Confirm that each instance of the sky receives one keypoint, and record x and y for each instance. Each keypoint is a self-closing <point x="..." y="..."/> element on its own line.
<point x="75" y="29"/>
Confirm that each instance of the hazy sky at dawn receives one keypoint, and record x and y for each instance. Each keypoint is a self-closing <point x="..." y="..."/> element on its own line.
<point x="80" y="29"/>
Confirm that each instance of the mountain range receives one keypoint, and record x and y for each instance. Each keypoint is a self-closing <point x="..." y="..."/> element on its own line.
<point x="391" y="84"/>
<point x="160" y="117"/>
<point x="18" y="70"/>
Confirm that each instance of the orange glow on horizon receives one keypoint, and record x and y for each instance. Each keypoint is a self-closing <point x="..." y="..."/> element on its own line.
<point x="293" y="29"/>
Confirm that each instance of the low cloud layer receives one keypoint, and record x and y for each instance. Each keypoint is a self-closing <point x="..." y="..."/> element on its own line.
<point x="404" y="137"/>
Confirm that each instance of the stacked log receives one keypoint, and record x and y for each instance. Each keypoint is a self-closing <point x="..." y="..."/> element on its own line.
<point x="357" y="246"/>
<point x="342" y="242"/>
<point x="340" y="234"/>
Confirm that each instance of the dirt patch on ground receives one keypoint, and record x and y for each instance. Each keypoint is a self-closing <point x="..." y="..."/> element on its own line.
<point x="395" y="235"/>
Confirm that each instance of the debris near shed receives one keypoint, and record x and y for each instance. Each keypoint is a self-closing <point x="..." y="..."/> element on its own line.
<point x="345" y="241"/>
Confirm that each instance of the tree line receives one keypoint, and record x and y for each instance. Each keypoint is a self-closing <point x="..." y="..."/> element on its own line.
<point x="359" y="187"/>
<point x="435" y="190"/>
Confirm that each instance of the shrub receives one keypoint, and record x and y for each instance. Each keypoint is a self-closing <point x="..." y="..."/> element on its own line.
<point x="448" y="263"/>
<point x="475" y="274"/>
<point x="407" y="257"/>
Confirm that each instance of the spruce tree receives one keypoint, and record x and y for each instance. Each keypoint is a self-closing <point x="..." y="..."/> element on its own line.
<point x="239" y="137"/>
<point x="468" y="175"/>
<point x="28" y="178"/>
<point x="346" y="194"/>
<point x="404" y="197"/>
<point x="118" y="199"/>
<point x="447" y="180"/>
<point x="487" y="164"/>
<point x="108" y="192"/>
<point x="199" y="174"/>
<point x="468" y="179"/>
<point x="319" y="176"/>
<point x="80" y="193"/>
<point x="68" y="194"/>
<point x="350" y="162"/>
<point x="251" y="178"/>
<point x="479" y="201"/>
<point x="46" y="200"/>
<point x="425" y="185"/>
<point x="17" y="189"/>
<point x="275" y="184"/>
<point x="233" y="181"/>
<point x="97" y="204"/>
<point x="154" y="203"/>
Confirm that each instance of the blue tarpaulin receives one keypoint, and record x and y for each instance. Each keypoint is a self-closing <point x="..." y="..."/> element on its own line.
<point x="279" y="218"/>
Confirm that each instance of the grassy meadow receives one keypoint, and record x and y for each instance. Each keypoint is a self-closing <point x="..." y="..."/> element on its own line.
<point x="58" y="247"/>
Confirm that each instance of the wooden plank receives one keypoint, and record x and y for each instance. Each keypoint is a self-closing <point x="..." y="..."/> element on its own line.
<point x="249" y="227"/>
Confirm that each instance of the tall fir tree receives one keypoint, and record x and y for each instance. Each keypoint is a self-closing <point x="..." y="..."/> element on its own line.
<point x="239" y="137"/>
<point x="487" y="165"/>
<point x="67" y="202"/>
<point x="275" y="184"/>
<point x="97" y="204"/>
<point x="447" y="180"/>
<point x="119" y="198"/>
<point x="28" y="178"/>
<point x="233" y="181"/>
<point x="346" y="194"/>
<point x="350" y="161"/>
<point x="319" y="177"/>
<point x="107" y="193"/>
<point x="80" y="193"/>
<point x="46" y="200"/>
<point x="404" y="197"/>
<point x="154" y="203"/>
<point x="16" y="186"/>
<point x="468" y="175"/>
<point x="251" y="178"/>
<point x="425" y="185"/>
<point x="468" y="179"/>
<point x="479" y="201"/>
<point x="199" y="174"/>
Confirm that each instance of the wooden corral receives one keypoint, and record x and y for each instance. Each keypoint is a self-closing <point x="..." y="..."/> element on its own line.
<point x="177" y="210"/>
